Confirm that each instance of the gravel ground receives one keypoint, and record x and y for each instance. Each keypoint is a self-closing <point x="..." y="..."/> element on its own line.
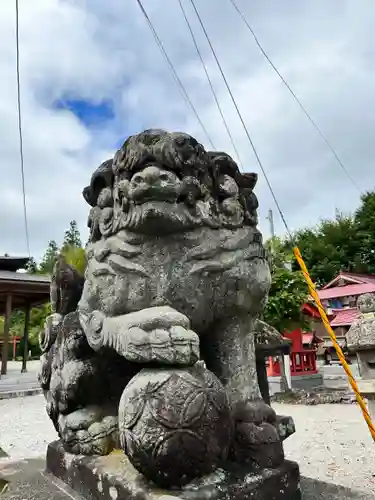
<point x="25" y="428"/>
<point x="332" y="442"/>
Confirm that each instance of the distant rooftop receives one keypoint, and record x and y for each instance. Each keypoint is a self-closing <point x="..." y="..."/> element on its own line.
<point x="344" y="278"/>
<point x="24" y="277"/>
<point x="346" y="284"/>
<point x="346" y="291"/>
<point x="13" y="264"/>
<point x="25" y="289"/>
<point x="344" y="317"/>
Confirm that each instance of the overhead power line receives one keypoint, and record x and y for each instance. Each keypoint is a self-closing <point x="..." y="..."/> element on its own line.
<point x="174" y="72"/>
<point x="314" y="124"/>
<point x="296" y="250"/>
<point x="241" y="119"/>
<point x="20" y="130"/>
<point x="209" y="81"/>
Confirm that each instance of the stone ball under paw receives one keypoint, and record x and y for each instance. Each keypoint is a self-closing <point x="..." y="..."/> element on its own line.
<point x="175" y="424"/>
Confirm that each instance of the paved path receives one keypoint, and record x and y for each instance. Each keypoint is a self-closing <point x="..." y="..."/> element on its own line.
<point x="16" y="382"/>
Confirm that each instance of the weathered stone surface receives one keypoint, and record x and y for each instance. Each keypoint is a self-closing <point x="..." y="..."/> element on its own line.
<point x="361" y="339"/>
<point x="82" y="388"/>
<point x="285" y="426"/>
<point x="176" y="272"/>
<point x="28" y="480"/>
<point x="151" y="335"/>
<point x="267" y="337"/>
<point x="66" y="287"/>
<point x="361" y="334"/>
<point x="114" y="478"/>
<point x="175" y="424"/>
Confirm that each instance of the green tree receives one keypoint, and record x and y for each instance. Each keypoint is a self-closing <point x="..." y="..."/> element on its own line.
<point x="49" y="258"/>
<point x="330" y="247"/>
<point x="288" y="291"/>
<point x="72" y="236"/>
<point x="37" y="318"/>
<point x="75" y="256"/>
<point x="365" y="223"/>
<point x="32" y="266"/>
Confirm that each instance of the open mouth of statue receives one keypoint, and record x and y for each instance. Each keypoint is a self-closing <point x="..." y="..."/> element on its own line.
<point x="155" y="196"/>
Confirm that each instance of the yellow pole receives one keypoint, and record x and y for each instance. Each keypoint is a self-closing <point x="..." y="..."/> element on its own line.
<point x="331" y="333"/>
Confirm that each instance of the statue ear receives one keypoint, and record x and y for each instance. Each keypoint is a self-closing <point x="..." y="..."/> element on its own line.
<point x="249" y="180"/>
<point x="87" y="194"/>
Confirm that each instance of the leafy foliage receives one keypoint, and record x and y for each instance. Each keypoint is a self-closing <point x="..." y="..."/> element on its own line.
<point x="32" y="266"/>
<point x="75" y="256"/>
<point x="364" y="219"/>
<point x="346" y="243"/>
<point x="288" y="290"/>
<point x="72" y="236"/>
<point x="49" y="258"/>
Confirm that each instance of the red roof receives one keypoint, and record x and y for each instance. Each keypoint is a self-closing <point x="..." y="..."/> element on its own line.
<point x="352" y="278"/>
<point x="345" y="317"/>
<point x="307" y="338"/>
<point x="346" y="290"/>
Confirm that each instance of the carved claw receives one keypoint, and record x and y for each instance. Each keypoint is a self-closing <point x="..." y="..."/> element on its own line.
<point x="256" y="440"/>
<point x="89" y="431"/>
<point x="153" y="335"/>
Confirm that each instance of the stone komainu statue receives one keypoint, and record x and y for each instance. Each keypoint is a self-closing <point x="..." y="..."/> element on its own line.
<point x="156" y="354"/>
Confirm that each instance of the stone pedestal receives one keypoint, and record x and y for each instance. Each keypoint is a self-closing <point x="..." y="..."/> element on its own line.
<point x="113" y="477"/>
<point x="367" y="389"/>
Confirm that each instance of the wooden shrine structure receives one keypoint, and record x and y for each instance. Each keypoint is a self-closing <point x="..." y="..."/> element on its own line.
<point x="19" y="290"/>
<point x="302" y="354"/>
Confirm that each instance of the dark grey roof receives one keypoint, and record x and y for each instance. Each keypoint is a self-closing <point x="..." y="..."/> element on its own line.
<point x="8" y="263"/>
<point x="32" y="278"/>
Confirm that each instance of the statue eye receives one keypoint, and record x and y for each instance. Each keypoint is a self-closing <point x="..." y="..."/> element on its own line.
<point x="164" y="177"/>
<point x="137" y="179"/>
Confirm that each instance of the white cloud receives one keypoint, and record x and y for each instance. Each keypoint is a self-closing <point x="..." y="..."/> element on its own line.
<point x="102" y="50"/>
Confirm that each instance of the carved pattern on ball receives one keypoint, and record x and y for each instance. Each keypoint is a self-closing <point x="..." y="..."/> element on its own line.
<point x="175" y="424"/>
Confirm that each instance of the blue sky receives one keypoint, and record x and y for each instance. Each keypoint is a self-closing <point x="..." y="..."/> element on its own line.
<point x="92" y="115"/>
<point x="91" y="74"/>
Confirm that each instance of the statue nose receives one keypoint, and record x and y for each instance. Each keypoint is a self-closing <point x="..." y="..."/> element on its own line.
<point x="151" y="175"/>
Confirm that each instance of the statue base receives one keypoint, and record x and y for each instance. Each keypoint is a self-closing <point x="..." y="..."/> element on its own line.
<point x="112" y="477"/>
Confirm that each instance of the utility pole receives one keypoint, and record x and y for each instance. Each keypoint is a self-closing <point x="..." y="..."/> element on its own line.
<point x="272" y="231"/>
<point x="284" y="359"/>
<point x="272" y="226"/>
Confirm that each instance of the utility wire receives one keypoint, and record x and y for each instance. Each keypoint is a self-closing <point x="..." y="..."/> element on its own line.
<point x="332" y="149"/>
<point x="210" y="82"/>
<point x="174" y="72"/>
<point x="242" y="120"/>
<point x="298" y="254"/>
<point x="20" y="130"/>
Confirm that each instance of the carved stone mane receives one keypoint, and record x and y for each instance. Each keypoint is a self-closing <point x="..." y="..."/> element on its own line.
<point x="207" y="187"/>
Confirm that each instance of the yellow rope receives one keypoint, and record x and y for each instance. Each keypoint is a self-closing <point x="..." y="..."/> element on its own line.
<point x="338" y="349"/>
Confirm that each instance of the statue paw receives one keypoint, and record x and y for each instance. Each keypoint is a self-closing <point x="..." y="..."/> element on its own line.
<point x="256" y="440"/>
<point x="152" y="335"/>
<point x="89" y="431"/>
<point x="171" y="345"/>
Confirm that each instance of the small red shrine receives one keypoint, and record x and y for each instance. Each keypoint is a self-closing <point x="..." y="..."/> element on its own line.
<point x="302" y="354"/>
<point x="14" y="341"/>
